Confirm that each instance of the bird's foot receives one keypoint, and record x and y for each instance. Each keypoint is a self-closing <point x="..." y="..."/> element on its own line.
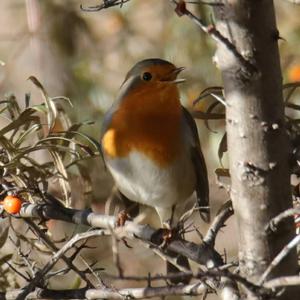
<point x="122" y="217"/>
<point x="163" y="236"/>
<point x="168" y="234"/>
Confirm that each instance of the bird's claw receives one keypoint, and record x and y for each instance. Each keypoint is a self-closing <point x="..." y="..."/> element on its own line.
<point x="122" y="217"/>
<point x="163" y="236"/>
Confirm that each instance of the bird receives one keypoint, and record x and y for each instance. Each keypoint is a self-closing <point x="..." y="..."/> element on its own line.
<point x="150" y="143"/>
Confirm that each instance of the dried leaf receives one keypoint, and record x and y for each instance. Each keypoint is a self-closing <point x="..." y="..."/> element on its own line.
<point x="24" y="118"/>
<point x="50" y="105"/>
<point x="86" y="182"/>
<point x="208" y="111"/>
<point x="214" y="90"/>
<point x="66" y="99"/>
<point x="23" y="136"/>
<point x="63" y="178"/>
<point x="13" y="107"/>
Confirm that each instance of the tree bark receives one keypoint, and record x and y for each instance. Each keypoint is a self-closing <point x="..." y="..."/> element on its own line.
<point x="257" y="140"/>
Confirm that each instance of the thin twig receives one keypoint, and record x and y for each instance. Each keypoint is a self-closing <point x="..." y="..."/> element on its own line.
<point x="18" y="272"/>
<point x="116" y="254"/>
<point x="104" y="5"/>
<point x="59" y="254"/>
<point x="216" y="35"/>
<point x="294" y="1"/>
<point x="158" y="277"/>
<point x="281" y="217"/>
<point x="224" y="214"/>
<point x="209" y="3"/>
<point x="282" y="282"/>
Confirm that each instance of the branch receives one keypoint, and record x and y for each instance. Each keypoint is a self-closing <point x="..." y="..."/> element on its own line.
<point x="222" y="216"/>
<point x="291" y="212"/>
<point x="279" y="257"/>
<point x="107" y="293"/>
<point x="203" y="253"/>
<point x="282" y="282"/>
<point x="294" y="1"/>
<point x="209" y="3"/>
<point x="141" y="293"/>
<point x="216" y="35"/>
<point x="59" y="254"/>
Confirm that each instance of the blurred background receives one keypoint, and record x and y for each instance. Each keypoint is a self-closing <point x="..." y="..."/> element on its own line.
<point x="85" y="56"/>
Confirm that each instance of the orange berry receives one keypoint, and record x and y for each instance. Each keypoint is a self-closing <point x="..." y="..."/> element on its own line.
<point x="12" y="204"/>
<point x="294" y="73"/>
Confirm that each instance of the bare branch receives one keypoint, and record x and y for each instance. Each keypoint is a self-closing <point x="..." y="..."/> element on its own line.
<point x="223" y="215"/>
<point x="116" y="254"/>
<point x="249" y="68"/>
<point x="203" y="253"/>
<point x="282" y="216"/>
<point x="148" y="292"/>
<point x="294" y="1"/>
<point x="53" y="248"/>
<point x="106" y="293"/>
<point x="279" y="257"/>
<point x="282" y="282"/>
<point x="209" y="3"/>
<point x="59" y="254"/>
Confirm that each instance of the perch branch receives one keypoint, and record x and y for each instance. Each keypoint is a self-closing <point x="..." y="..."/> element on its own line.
<point x="203" y="254"/>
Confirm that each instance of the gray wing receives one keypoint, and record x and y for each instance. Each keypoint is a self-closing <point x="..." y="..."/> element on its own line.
<point x="202" y="186"/>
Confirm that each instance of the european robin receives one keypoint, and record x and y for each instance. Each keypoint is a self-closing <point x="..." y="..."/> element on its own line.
<point x="151" y="145"/>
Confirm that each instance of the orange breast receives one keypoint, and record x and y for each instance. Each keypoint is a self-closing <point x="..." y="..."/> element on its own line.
<point x="147" y="124"/>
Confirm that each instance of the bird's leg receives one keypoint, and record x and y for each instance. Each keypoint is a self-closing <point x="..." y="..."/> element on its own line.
<point x="169" y="231"/>
<point x="168" y="224"/>
<point x="122" y="217"/>
<point x="130" y="210"/>
<point x="169" y="228"/>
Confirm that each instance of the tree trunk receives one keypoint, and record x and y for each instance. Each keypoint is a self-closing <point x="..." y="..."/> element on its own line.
<point x="257" y="140"/>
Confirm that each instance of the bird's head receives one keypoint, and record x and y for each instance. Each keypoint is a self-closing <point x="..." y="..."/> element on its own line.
<point x="155" y="78"/>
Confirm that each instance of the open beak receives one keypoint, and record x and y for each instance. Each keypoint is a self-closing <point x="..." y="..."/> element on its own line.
<point x="176" y="72"/>
<point x="172" y="76"/>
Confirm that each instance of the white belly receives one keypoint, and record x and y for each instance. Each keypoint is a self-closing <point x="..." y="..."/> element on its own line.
<point x="140" y="180"/>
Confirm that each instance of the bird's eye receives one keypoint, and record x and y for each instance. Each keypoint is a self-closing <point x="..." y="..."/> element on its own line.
<point x="147" y="76"/>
